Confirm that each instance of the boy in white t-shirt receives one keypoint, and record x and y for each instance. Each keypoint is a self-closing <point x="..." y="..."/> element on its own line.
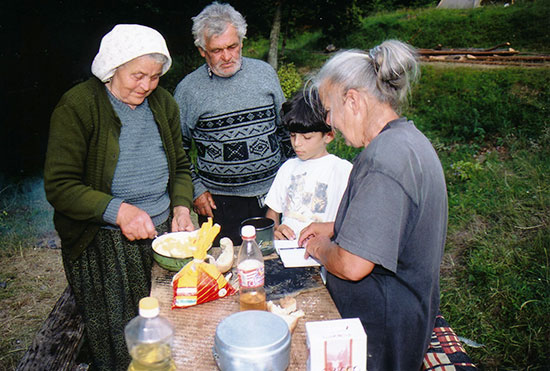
<point x="309" y="187"/>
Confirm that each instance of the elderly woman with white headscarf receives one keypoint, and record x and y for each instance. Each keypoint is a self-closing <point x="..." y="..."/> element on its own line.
<point x="117" y="175"/>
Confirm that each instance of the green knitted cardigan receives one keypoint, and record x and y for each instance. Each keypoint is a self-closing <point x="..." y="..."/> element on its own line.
<point x="82" y="156"/>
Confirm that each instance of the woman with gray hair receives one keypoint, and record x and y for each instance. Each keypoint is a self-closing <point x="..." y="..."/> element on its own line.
<point x="384" y="249"/>
<point x="117" y="175"/>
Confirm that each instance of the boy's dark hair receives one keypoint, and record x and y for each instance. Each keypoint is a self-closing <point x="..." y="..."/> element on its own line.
<point x="301" y="116"/>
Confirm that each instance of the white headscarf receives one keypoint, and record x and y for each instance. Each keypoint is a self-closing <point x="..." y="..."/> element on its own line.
<point x="124" y="43"/>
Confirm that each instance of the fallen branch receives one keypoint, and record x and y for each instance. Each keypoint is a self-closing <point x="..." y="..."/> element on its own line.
<point x="528" y="228"/>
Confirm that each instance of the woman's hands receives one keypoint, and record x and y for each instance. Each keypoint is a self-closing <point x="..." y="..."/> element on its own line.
<point x="182" y="220"/>
<point x="135" y="223"/>
<point x="315" y="230"/>
<point x="316" y="238"/>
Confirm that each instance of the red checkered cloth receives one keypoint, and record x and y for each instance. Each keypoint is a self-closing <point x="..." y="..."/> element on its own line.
<point x="445" y="352"/>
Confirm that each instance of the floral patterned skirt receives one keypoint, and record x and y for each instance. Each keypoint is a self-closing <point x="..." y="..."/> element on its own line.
<point x="108" y="279"/>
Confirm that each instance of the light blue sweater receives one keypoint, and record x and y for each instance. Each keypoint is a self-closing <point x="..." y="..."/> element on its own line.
<point x="235" y="124"/>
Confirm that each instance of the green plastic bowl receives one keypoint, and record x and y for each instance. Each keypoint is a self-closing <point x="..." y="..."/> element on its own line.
<point x="168" y="262"/>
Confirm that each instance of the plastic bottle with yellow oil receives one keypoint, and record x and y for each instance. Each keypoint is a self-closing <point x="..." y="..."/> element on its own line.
<point x="149" y="339"/>
<point x="250" y="266"/>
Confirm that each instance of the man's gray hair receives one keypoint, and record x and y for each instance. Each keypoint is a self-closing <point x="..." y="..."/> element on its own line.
<point x="213" y="20"/>
<point x="387" y="71"/>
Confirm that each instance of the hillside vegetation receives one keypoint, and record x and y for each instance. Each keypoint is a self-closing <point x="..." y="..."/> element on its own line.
<point x="525" y="26"/>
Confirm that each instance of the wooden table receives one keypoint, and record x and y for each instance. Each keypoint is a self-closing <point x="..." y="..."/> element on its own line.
<point x="195" y="327"/>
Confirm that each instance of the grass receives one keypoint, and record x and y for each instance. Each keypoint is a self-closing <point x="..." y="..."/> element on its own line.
<point x="492" y="132"/>
<point x="24" y="213"/>
<point x="464" y="104"/>
<point x="525" y="25"/>
<point x="496" y="275"/>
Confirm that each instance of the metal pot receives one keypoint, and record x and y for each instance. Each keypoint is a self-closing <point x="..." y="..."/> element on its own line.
<point x="264" y="233"/>
<point x="252" y="340"/>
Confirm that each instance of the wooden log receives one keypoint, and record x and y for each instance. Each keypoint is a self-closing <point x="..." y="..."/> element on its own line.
<point x="527" y="58"/>
<point x="465" y="51"/>
<point x="507" y="44"/>
<point x="56" y="344"/>
<point x="492" y="58"/>
<point x="502" y="63"/>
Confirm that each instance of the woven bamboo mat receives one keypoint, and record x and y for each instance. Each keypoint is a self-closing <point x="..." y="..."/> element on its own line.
<point x="195" y="327"/>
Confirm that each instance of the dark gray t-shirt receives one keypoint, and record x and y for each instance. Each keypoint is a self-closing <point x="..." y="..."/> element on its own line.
<point x="394" y="214"/>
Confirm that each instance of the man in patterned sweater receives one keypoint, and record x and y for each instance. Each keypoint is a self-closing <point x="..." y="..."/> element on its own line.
<point x="230" y="108"/>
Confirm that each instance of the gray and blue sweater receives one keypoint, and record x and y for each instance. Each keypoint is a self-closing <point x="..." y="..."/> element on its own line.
<point x="236" y="127"/>
<point x="141" y="174"/>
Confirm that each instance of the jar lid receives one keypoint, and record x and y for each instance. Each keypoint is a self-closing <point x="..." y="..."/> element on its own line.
<point x="149" y="307"/>
<point x="252" y="332"/>
<point x="248" y="231"/>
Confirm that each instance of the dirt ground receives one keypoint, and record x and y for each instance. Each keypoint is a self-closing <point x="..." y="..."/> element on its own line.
<point x="33" y="280"/>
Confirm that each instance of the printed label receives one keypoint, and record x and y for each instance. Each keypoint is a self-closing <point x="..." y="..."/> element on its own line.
<point x="251" y="273"/>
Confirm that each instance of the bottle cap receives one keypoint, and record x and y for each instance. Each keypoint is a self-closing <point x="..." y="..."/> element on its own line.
<point x="248" y="231"/>
<point x="149" y="307"/>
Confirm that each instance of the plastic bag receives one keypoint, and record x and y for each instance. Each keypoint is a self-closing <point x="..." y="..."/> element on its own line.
<point x="199" y="281"/>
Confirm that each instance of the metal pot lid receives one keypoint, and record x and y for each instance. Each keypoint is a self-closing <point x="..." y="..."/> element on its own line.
<point x="252" y="330"/>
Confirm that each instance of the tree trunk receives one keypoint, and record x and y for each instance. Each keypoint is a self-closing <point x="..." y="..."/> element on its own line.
<point x="274" y="37"/>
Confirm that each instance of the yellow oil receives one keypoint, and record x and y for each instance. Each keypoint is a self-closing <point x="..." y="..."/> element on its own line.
<point x="154" y="356"/>
<point x="253" y="301"/>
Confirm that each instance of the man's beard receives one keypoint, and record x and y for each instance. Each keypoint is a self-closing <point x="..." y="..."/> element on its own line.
<point x="217" y="70"/>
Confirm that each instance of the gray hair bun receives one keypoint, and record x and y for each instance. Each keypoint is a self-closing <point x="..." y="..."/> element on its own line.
<point x="396" y="68"/>
<point x="387" y="71"/>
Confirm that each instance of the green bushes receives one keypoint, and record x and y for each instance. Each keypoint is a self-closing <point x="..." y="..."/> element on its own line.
<point x="181" y="66"/>
<point x="290" y="79"/>
<point x="304" y="50"/>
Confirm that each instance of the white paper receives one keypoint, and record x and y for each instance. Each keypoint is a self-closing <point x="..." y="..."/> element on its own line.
<point x="295" y="258"/>
<point x="292" y="255"/>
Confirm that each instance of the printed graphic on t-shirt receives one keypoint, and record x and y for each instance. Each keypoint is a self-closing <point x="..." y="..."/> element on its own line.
<point x="302" y="204"/>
